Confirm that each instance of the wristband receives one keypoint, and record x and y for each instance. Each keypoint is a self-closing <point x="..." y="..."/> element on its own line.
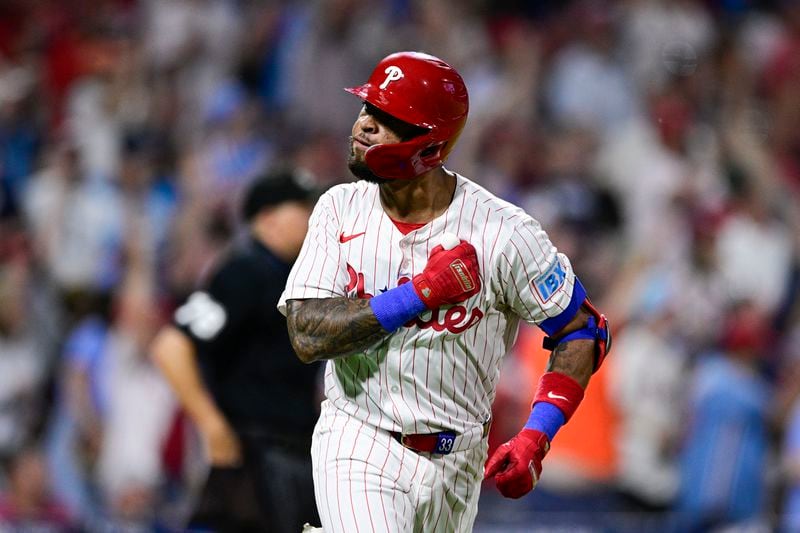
<point x="559" y="390"/>
<point x="397" y="306"/>
<point x="547" y="418"/>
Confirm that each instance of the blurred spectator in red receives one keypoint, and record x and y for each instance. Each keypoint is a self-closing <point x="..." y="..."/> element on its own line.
<point x="782" y="86"/>
<point x="27" y="504"/>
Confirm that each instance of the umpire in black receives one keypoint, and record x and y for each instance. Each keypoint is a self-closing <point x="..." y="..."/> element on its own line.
<point x="228" y="358"/>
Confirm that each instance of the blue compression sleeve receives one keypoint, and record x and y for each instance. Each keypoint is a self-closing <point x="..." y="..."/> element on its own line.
<point x="547" y="418"/>
<point x="397" y="306"/>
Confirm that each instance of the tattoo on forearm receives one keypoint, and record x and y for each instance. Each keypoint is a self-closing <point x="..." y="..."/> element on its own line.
<point x="332" y="327"/>
<point x="575" y="359"/>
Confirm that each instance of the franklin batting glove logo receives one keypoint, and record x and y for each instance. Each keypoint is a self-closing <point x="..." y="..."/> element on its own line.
<point x="462" y="275"/>
<point x="393" y="73"/>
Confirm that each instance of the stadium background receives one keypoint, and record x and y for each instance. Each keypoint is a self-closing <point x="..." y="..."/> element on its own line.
<point x="658" y="142"/>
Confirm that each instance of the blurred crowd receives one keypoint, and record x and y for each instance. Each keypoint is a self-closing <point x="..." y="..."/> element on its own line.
<point x="658" y="142"/>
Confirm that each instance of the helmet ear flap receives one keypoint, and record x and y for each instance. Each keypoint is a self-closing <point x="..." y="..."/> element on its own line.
<point x="433" y="151"/>
<point x="395" y="161"/>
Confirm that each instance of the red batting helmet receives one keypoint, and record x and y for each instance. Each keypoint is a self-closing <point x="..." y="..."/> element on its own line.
<point x="422" y="90"/>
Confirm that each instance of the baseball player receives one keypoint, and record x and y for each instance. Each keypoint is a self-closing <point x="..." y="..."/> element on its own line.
<point x="411" y="283"/>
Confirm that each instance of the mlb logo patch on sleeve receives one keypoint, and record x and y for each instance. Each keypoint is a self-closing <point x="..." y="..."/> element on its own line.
<point x="548" y="283"/>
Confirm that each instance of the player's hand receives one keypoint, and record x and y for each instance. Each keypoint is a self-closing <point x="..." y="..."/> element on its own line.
<point x="450" y="277"/>
<point x="222" y="446"/>
<point x="517" y="464"/>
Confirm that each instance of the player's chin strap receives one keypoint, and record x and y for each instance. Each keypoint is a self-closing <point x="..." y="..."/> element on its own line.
<point x="596" y="329"/>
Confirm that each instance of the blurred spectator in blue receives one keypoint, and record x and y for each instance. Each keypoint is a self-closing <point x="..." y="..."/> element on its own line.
<point x="78" y="223"/>
<point x="790" y="512"/>
<point x="113" y="412"/>
<point x="74" y="222"/>
<point x="587" y="86"/>
<point x="145" y="199"/>
<point x="234" y="151"/>
<point x="75" y="431"/>
<point x="724" y="457"/>
<point x="20" y="133"/>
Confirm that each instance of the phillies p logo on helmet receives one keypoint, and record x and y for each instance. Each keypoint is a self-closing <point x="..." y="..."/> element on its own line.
<point x="393" y="73"/>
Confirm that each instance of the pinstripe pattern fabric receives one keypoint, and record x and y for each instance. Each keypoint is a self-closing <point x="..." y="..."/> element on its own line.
<point x="366" y="481"/>
<point x="439" y="371"/>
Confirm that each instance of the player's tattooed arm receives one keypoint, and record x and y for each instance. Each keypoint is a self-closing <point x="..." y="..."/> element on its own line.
<point x="574" y="358"/>
<point x="327" y="328"/>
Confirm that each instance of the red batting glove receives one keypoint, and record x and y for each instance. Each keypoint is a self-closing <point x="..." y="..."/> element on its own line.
<point x="518" y="463"/>
<point x="450" y="277"/>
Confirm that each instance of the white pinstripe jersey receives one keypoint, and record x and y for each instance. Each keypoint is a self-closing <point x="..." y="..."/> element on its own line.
<point x="439" y="371"/>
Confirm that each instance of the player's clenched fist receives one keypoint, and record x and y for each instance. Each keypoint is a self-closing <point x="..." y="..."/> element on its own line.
<point x="517" y="464"/>
<point x="450" y="277"/>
